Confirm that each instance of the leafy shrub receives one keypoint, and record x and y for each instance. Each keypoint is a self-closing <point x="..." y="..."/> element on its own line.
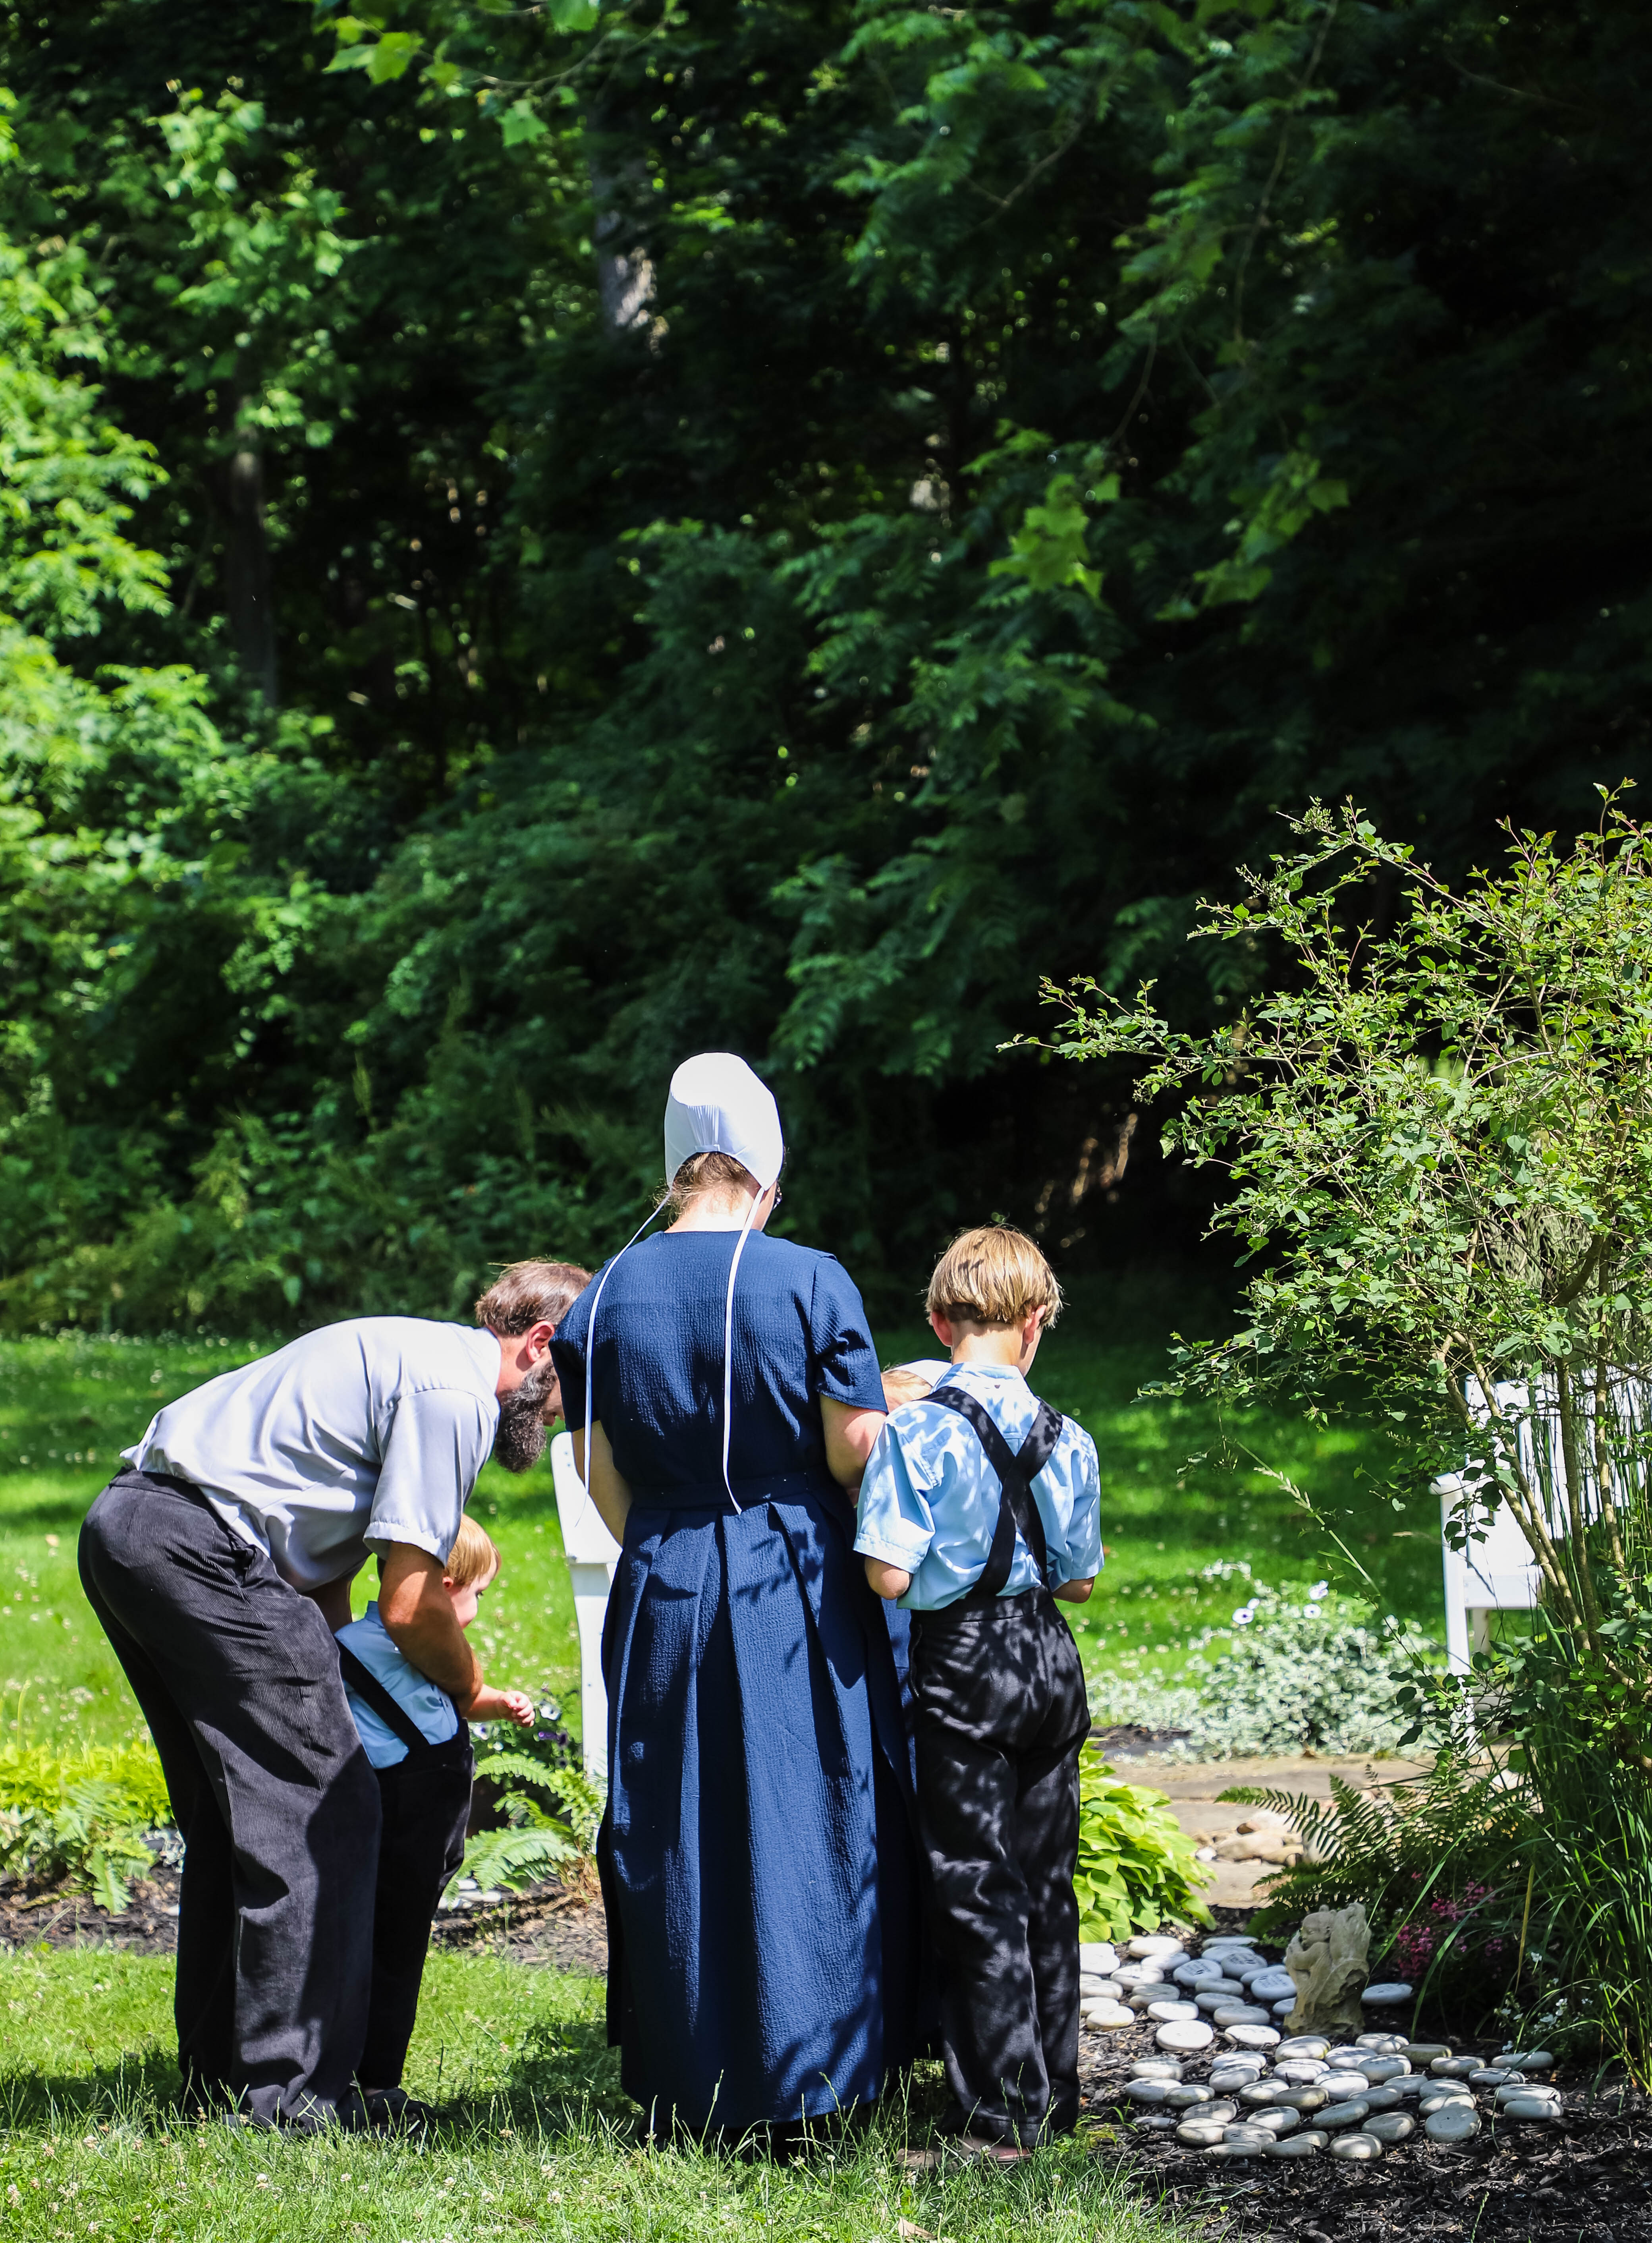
<point x="81" y="1818"/>
<point x="1136" y="1868"/>
<point x="548" y="1808"/>
<point x="1308" y="1670"/>
<point x="1440" y="1863"/>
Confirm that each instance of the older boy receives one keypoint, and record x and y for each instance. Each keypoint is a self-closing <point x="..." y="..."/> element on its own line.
<point x="980" y="1507"/>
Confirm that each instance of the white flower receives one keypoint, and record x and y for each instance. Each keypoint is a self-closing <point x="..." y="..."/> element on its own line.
<point x="1320" y="1589"/>
<point x="1244" y="1615"/>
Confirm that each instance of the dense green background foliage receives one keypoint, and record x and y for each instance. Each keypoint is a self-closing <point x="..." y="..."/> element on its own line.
<point x="532" y="542"/>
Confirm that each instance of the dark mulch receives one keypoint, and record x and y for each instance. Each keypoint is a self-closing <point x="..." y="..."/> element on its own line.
<point x="1588" y="2179"/>
<point x="47" y="1915"/>
<point x="563" y="1927"/>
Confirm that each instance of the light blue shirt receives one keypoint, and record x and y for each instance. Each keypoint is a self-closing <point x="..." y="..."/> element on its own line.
<point x="432" y="1711"/>
<point x="929" y="1501"/>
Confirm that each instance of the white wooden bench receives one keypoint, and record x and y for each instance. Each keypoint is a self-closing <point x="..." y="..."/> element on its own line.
<point x="592" y="1554"/>
<point x="1495" y="1569"/>
<point x="1495" y="1572"/>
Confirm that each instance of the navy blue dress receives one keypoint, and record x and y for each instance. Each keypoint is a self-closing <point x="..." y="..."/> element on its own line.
<point x="757" y="1857"/>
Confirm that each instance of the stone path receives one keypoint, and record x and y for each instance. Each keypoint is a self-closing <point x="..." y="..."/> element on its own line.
<point x="1193" y="1788"/>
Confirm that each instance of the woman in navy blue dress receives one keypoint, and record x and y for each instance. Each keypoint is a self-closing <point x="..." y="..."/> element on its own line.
<point x="757" y="1859"/>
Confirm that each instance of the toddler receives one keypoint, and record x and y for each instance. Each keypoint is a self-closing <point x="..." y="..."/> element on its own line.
<point x="980" y="1507"/>
<point x="420" y="1752"/>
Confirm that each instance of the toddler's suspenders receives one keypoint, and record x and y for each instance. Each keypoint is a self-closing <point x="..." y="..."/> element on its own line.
<point x="1017" y="1469"/>
<point x="397" y="1718"/>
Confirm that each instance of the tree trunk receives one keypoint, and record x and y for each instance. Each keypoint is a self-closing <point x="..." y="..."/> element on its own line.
<point x="248" y="598"/>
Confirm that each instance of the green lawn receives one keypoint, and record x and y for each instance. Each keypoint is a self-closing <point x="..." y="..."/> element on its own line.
<point x="67" y="1406"/>
<point x="541" y="2143"/>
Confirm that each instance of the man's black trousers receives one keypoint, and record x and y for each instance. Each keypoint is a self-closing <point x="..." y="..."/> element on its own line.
<point x="426" y="1800"/>
<point x="1000" y="1715"/>
<point x="238" y="1677"/>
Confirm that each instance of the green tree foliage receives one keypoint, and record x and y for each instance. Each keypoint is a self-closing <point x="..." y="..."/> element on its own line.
<point x="769" y="526"/>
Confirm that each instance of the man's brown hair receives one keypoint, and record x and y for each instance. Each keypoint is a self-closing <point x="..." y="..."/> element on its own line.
<point x="528" y="1293"/>
<point x="992" y="1276"/>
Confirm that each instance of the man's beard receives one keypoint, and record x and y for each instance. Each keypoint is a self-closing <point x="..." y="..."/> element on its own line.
<point x="520" y="1442"/>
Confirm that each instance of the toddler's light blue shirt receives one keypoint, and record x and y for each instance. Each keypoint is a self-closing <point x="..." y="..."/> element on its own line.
<point x="432" y="1711"/>
<point x="929" y="1501"/>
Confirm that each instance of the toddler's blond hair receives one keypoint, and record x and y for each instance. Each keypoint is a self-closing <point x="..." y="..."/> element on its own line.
<point x="992" y="1276"/>
<point x="475" y="1556"/>
<point x="902" y="1383"/>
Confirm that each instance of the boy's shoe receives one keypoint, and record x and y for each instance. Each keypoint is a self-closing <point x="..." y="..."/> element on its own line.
<point x="392" y="2110"/>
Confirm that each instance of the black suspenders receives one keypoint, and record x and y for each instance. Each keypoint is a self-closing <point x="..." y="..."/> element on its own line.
<point x="1016" y="1469"/>
<point x="366" y="1684"/>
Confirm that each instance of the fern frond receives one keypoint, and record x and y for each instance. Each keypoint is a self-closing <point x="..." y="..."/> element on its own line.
<point x="513" y="1857"/>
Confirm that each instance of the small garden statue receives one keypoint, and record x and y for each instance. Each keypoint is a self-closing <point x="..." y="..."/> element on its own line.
<point x="1327" y="1960"/>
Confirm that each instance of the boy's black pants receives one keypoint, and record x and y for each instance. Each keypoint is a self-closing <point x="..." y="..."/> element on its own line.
<point x="238" y="1677"/>
<point x="1000" y="1715"/>
<point x="427" y="1806"/>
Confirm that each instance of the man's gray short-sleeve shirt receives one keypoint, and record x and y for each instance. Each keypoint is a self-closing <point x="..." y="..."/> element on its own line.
<point x="353" y="1437"/>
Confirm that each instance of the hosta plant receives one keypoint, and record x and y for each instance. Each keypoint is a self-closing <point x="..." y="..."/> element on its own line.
<point x="1136" y="1866"/>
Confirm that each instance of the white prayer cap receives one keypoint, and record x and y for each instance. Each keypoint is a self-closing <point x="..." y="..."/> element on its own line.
<point x="717" y="1105"/>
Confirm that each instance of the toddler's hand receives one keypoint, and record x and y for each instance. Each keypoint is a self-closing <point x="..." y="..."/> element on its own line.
<point x="501" y="1706"/>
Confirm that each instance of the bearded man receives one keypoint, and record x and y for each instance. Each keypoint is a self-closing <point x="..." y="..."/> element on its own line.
<point x="219" y="1565"/>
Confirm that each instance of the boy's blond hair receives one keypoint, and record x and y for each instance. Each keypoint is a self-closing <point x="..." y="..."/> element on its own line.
<point x="475" y="1556"/>
<point x="902" y="1382"/>
<point x="992" y="1276"/>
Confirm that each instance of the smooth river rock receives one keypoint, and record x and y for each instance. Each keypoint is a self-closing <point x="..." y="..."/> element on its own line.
<point x="1304" y="2099"/>
<point x="1384" y="2044"/>
<point x="1097" y="1955"/>
<point x="1455" y="2067"/>
<point x="1533" y="2106"/>
<point x="1440" y="2096"/>
<point x="1490" y="2075"/>
<point x="1251" y="2035"/>
<point x="1338" y="2117"/>
<point x="1309" y="2144"/>
<point x="1378" y="2068"/>
<point x="1199" y="2134"/>
<point x="1279" y="2119"/>
<point x="1228" y="2012"/>
<point x="1387" y="1996"/>
<point x="1166" y="2013"/>
<point x="1185" y="2035"/>
<point x="1270" y="1986"/>
<point x="1339" y="2086"/>
<point x="1148" y="2091"/>
<point x="1148" y="1945"/>
<point x="1536" y="2059"/>
<point x="1511" y="2088"/>
<point x="1358" y="2149"/>
<point x="1194" y="1974"/>
<point x="1311" y="2044"/>
<point x="1156" y="2067"/>
<point x="1299" y="2070"/>
<point x="1260" y="2093"/>
<point x="1108" y="2016"/>
<point x="1387" y="2126"/>
<point x="1456" y="2121"/>
<point x="1250" y="2140"/>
